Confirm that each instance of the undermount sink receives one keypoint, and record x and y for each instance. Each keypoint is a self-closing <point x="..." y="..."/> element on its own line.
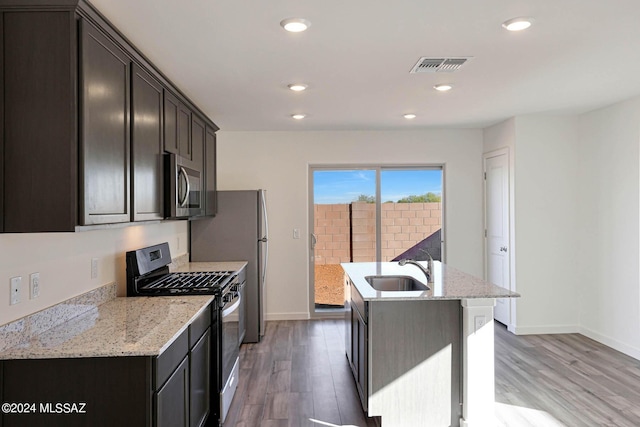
<point x="395" y="283"/>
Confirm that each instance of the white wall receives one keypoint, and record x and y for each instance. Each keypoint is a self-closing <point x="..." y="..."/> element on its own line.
<point x="544" y="230"/>
<point x="279" y="162"/>
<point x="609" y="191"/>
<point x="64" y="261"/>
<point x="577" y="216"/>
<point x="546" y="226"/>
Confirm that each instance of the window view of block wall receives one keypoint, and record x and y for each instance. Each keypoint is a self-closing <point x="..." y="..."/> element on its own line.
<point x="347" y="232"/>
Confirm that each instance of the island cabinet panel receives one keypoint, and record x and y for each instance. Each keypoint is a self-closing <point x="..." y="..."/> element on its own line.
<point x="357" y="352"/>
<point x="105" y="71"/>
<point x="415" y="362"/>
<point x="147" y="144"/>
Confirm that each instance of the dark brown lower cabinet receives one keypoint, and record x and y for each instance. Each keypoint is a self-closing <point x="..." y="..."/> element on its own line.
<point x="200" y="381"/>
<point x="170" y="390"/>
<point x="172" y="399"/>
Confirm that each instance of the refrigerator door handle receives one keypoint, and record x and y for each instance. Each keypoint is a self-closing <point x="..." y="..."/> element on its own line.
<point x="265" y="238"/>
<point x="264" y="215"/>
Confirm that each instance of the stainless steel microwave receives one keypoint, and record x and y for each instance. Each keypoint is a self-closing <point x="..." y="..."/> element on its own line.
<point x="184" y="189"/>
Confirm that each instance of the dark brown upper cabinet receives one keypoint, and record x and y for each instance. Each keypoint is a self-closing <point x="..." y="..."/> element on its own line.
<point x="177" y="126"/>
<point x="84" y="120"/>
<point x="211" y="201"/>
<point x="147" y="143"/>
<point x="105" y="148"/>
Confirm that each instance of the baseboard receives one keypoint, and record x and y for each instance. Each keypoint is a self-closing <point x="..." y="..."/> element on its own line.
<point x="287" y="316"/>
<point x="611" y="342"/>
<point x="543" y="330"/>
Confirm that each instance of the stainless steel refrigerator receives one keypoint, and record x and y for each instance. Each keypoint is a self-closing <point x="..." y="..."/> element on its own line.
<point x="238" y="232"/>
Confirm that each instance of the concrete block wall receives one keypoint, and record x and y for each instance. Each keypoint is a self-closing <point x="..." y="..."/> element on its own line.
<point x="332" y="228"/>
<point x="346" y="232"/>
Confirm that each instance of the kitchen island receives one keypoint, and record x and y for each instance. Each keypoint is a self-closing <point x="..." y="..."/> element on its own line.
<point x="422" y="357"/>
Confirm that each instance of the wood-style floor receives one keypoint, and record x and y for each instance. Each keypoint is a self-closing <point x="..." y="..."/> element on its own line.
<point x="299" y="376"/>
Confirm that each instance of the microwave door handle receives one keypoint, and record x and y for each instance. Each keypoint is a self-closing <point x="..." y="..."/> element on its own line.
<point x="183" y="202"/>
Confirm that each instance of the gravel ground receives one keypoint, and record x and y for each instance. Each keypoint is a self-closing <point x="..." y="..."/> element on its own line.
<point x="329" y="285"/>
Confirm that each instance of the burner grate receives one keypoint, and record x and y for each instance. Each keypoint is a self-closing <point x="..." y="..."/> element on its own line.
<point x="191" y="281"/>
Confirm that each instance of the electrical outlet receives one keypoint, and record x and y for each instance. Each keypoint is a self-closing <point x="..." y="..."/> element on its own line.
<point x="94" y="268"/>
<point x="34" y="285"/>
<point x="15" y="289"/>
<point x="480" y="321"/>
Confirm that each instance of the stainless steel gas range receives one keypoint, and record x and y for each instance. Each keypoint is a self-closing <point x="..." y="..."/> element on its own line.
<point x="148" y="275"/>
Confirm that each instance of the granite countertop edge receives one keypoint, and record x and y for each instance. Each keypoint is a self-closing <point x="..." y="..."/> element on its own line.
<point x="449" y="283"/>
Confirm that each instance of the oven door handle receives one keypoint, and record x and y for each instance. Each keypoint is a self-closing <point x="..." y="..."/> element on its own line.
<point x="228" y="310"/>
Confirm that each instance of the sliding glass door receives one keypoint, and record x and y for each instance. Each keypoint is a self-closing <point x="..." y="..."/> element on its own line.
<point x="369" y="214"/>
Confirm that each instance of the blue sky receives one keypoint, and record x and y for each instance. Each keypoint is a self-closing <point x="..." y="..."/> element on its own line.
<point x="344" y="186"/>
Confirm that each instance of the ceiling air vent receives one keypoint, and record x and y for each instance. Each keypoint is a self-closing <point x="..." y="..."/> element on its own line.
<point x="438" y="65"/>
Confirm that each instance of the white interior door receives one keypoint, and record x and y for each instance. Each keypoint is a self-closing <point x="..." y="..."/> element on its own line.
<point x="497" y="229"/>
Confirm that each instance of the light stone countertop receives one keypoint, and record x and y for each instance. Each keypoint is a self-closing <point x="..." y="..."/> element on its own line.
<point x="124" y="326"/>
<point x="134" y="326"/>
<point x="211" y="266"/>
<point x="449" y="283"/>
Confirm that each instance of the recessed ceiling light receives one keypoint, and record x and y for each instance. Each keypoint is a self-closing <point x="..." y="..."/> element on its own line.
<point x="517" y="24"/>
<point x="409" y="116"/>
<point x="297" y="87"/>
<point x="298" y="116"/>
<point x="443" y="87"/>
<point x="295" y="25"/>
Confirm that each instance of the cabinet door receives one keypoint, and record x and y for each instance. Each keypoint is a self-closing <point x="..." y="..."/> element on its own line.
<point x="104" y="129"/>
<point x="184" y="132"/>
<point x="200" y="365"/>
<point x="171" y="105"/>
<point x="146" y="107"/>
<point x="38" y="130"/>
<point x="197" y="164"/>
<point x="211" y="201"/>
<point x="172" y="400"/>
<point x="362" y="361"/>
<point x="177" y="126"/>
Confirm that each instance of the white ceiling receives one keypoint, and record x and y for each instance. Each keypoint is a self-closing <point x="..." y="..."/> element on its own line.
<point x="232" y="58"/>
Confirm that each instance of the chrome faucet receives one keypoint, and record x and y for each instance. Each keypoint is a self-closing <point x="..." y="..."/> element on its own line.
<point x="427" y="271"/>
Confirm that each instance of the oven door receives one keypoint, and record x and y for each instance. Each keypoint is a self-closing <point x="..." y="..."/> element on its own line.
<point x="229" y="315"/>
<point x="184" y="196"/>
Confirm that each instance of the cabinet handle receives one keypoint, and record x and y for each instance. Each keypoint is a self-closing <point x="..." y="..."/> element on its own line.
<point x="183" y="172"/>
<point x="503" y="249"/>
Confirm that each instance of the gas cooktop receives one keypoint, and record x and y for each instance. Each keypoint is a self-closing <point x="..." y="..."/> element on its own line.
<point x="148" y="274"/>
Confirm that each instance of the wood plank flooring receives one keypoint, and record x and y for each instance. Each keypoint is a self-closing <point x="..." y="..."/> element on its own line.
<point x="564" y="380"/>
<point x="299" y="376"/>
